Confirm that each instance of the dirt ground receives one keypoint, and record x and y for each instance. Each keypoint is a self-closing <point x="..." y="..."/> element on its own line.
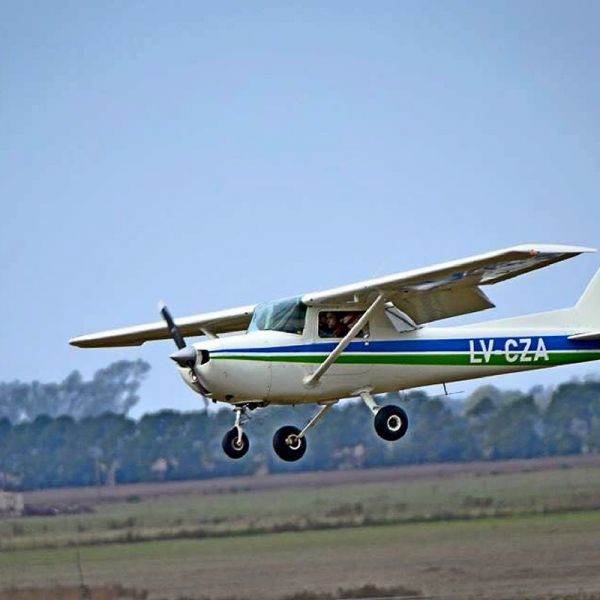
<point x="91" y="495"/>
<point x="537" y="555"/>
<point x="493" y="558"/>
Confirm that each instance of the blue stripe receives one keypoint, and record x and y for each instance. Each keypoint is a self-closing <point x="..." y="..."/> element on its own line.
<point x="552" y="342"/>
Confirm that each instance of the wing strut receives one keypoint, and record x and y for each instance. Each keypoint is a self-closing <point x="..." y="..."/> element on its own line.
<point x="313" y="379"/>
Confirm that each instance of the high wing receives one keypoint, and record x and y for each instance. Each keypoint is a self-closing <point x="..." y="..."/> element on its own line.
<point x="425" y="295"/>
<point x="224" y="321"/>
<point x="448" y="289"/>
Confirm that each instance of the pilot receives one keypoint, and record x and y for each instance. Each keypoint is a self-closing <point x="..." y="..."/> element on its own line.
<point x="337" y="324"/>
<point x="328" y="324"/>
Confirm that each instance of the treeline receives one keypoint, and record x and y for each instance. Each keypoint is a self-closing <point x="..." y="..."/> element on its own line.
<point x="112" y="389"/>
<point x="110" y="448"/>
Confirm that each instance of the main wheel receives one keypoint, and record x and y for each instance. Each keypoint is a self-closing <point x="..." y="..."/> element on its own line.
<point x="288" y="445"/>
<point x="391" y="422"/>
<point x="233" y="446"/>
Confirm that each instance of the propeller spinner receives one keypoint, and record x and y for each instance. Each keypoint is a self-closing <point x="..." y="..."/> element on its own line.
<point x="186" y="356"/>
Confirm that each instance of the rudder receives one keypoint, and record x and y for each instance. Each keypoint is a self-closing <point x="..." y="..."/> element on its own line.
<point x="588" y="306"/>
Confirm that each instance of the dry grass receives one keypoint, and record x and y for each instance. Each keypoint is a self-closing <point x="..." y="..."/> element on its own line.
<point x="368" y="591"/>
<point x="118" y="592"/>
<point x="92" y="496"/>
<point x="408" y="495"/>
<point x="490" y="558"/>
<point x="435" y="536"/>
<point x="59" y="592"/>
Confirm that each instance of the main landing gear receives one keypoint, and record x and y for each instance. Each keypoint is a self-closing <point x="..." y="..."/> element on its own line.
<point x="289" y="442"/>
<point x="390" y="421"/>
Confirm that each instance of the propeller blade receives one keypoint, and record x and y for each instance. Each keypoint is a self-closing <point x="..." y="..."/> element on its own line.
<point x="173" y="329"/>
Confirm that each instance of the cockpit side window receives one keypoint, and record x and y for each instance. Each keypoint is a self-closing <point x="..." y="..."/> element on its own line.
<point x="337" y="323"/>
<point x="287" y="316"/>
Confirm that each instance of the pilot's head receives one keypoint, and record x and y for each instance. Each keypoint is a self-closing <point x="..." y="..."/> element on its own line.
<point x="331" y="320"/>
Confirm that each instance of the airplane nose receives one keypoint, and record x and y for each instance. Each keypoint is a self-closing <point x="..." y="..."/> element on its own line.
<point x="189" y="357"/>
<point x="186" y="357"/>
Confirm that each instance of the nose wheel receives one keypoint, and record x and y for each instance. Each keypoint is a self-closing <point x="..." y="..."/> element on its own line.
<point x="234" y="445"/>
<point x="235" y="442"/>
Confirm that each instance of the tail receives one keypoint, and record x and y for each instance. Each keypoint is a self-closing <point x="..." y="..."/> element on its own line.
<point x="588" y="306"/>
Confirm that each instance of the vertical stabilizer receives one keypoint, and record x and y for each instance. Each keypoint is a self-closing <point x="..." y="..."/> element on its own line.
<point x="588" y="306"/>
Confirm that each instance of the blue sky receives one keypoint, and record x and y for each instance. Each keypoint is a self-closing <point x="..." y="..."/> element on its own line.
<point x="219" y="154"/>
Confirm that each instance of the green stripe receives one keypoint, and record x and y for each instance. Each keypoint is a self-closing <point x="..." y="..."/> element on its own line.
<point x="555" y="358"/>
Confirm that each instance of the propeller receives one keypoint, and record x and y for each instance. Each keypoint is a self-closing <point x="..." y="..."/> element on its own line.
<point x="173" y="329"/>
<point x="186" y="356"/>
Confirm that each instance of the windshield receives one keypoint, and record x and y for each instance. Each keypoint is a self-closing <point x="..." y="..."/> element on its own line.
<point x="283" y="315"/>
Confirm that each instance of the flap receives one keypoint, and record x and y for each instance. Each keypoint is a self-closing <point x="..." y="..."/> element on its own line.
<point x="434" y="305"/>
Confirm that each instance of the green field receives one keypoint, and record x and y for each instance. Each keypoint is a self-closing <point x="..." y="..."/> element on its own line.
<point x="525" y="532"/>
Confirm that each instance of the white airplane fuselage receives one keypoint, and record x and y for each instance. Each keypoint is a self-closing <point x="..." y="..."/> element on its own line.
<point x="272" y="367"/>
<point x="368" y="338"/>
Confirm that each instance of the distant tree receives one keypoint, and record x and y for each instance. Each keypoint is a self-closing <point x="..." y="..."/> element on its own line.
<point x="482" y="409"/>
<point x="488" y="393"/>
<point x="436" y="433"/>
<point x="493" y="394"/>
<point x="345" y="439"/>
<point x="52" y="450"/>
<point x="158" y="445"/>
<point x="542" y="396"/>
<point x="478" y="413"/>
<point x="44" y="453"/>
<point x="572" y="419"/>
<point x="5" y="428"/>
<point x="112" y="389"/>
<point x="514" y="430"/>
<point x="103" y="441"/>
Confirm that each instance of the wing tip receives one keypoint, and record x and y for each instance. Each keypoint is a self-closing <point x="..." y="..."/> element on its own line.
<point x="83" y="341"/>
<point x="78" y="341"/>
<point x="552" y="249"/>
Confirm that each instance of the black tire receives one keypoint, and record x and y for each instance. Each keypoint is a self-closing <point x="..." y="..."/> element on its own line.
<point x="232" y="447"/>
<point x="391" y="422"/>
<point x="287" y="445"/>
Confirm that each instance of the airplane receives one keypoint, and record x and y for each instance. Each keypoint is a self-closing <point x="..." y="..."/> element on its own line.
<point x="369" y="338"/>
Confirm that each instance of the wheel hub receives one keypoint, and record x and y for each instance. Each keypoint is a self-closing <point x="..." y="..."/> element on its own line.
<point x="394" y="423"/>
<point x="293" y="442"/>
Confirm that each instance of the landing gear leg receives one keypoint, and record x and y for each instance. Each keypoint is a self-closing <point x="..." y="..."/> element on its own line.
<point x="289" y="442"/>
<point x="235" y="441"/>
<point x="390" y="421"/>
